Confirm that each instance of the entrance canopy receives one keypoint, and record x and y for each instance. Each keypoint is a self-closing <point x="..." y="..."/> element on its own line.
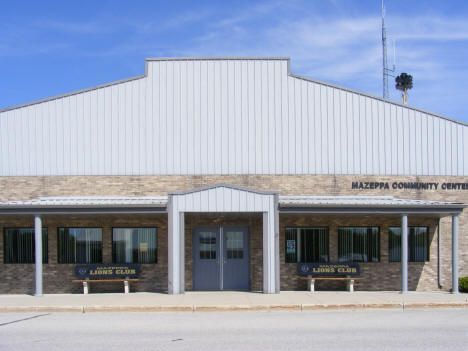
<point x="223" y="198"/>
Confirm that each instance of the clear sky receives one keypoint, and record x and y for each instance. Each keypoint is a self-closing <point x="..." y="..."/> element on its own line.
<point x="54" y="47"/>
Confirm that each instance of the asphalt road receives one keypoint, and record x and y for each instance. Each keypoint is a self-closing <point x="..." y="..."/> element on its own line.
<point x="433" y="329"/>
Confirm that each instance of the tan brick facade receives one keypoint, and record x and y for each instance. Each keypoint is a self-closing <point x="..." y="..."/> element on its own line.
<point x="383" y="275"/>
<point x="376" y="276"/>
<point x="57" y="278"/>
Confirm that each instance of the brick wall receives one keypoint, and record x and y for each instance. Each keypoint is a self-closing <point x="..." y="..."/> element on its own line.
<point x="57" y="278"/>
<point x="381" y="276"/>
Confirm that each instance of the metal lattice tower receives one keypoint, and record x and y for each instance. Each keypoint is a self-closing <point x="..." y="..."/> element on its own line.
<point x="386" y="72"/>
<point x="384" y="55"/>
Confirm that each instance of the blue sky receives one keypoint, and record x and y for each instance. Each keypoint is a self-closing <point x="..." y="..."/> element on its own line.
<point x="54" y="47"/>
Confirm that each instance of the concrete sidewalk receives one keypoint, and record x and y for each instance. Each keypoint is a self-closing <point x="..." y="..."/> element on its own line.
<point x="229" y="301"/>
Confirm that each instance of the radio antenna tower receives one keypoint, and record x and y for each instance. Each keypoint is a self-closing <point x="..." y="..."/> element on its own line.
<point x="386" y="72"/>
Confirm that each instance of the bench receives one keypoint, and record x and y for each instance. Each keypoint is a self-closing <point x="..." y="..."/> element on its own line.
<point x="86" y="282"/>
<point x="311" y="281"/>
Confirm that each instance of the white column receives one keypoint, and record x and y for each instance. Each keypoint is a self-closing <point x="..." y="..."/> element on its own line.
<point x="38" y="253"/>
<point x="182" y="252"/>
<point x="174" y="245"/>
<point x="455" y="254"/>
<point x="404" y="253"/>
<point x="269" y="260"/>
<point x="277" y="245"/>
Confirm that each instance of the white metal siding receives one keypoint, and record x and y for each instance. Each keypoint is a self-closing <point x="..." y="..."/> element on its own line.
<point x="223" y="199"/>
<point x="239" y="116"/>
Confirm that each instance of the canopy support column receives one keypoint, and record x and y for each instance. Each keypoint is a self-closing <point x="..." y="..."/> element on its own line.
<point x="38" y="254"/>
<point x="455" y="254"/>
<point x="176" y="249"/>
<point x="404" y="253"/>
<point x="270" y="261"/>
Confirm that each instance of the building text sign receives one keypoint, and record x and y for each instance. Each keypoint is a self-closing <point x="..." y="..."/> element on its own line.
<point x="91" y="271"/>
<point x="328" y="269"/>
<point x="361" y="185"/>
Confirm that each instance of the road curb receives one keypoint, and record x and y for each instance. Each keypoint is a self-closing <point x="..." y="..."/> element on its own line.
<point x="154" y="308"/>
<point x="43" y="309"/>
<point x="227" y="308"/>
<point x="415" y="305"/>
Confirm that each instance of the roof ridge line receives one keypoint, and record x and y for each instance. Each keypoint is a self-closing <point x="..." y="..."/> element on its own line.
<point x="215" y="58"/>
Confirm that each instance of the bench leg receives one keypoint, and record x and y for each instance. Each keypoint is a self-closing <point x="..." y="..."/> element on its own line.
<point x="85" y="288"/>
<point x="126" y="287"/>
<point x="311" y="283"/>
<point x="351" y="285"/>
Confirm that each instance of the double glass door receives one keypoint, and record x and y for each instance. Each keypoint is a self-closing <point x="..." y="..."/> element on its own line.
<point x="221" y="258"/>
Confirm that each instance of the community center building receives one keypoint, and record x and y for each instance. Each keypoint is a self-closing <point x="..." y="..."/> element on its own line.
<point x="230" y="174"/>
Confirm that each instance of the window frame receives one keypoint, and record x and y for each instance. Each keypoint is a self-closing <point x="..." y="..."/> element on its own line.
<point x="156" y="248"/>
<point x="45" y="258"/>
<point x="409" y="243"/>
<point x="58" y="247"/>
<point x="379" y="246"/>
<point x="305" y="227"/>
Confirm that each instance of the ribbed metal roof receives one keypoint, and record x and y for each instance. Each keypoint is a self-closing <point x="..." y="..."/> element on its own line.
<point x="361" y="201"/>
<point x="89" y="201"/>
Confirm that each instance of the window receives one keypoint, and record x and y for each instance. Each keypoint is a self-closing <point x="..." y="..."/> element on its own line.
<point x="79" y="245"/>
<point x="20" y="245"/>
<point x="134" y="245"/>
<point x="307" y="245"/>
<point x="358" y="244"/>
<point x="418" y="244"/>
<point x="235" y="244"/>
<point x="207" y="245"/>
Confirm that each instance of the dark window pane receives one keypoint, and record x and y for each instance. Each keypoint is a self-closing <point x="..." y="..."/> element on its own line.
<point x="20" y="245"/>
<point x="358" y="244"/>
<point x="134" y="245"/>
<point x="207" y="245"/>
<point x="307" y="245"/>
<point x="394" y="244"/>
<point x="79" y="245"/>
<point x="418" y="244"/>
<point x="234" y="244"/>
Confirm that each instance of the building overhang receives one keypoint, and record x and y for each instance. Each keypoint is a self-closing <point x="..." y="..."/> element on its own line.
<point x="367" y="205"/>
<point x="286" y="204"/>
<point x="86" y="205"/>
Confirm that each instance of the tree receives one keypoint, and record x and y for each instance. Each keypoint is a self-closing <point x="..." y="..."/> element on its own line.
<point x="404" y="82"/>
